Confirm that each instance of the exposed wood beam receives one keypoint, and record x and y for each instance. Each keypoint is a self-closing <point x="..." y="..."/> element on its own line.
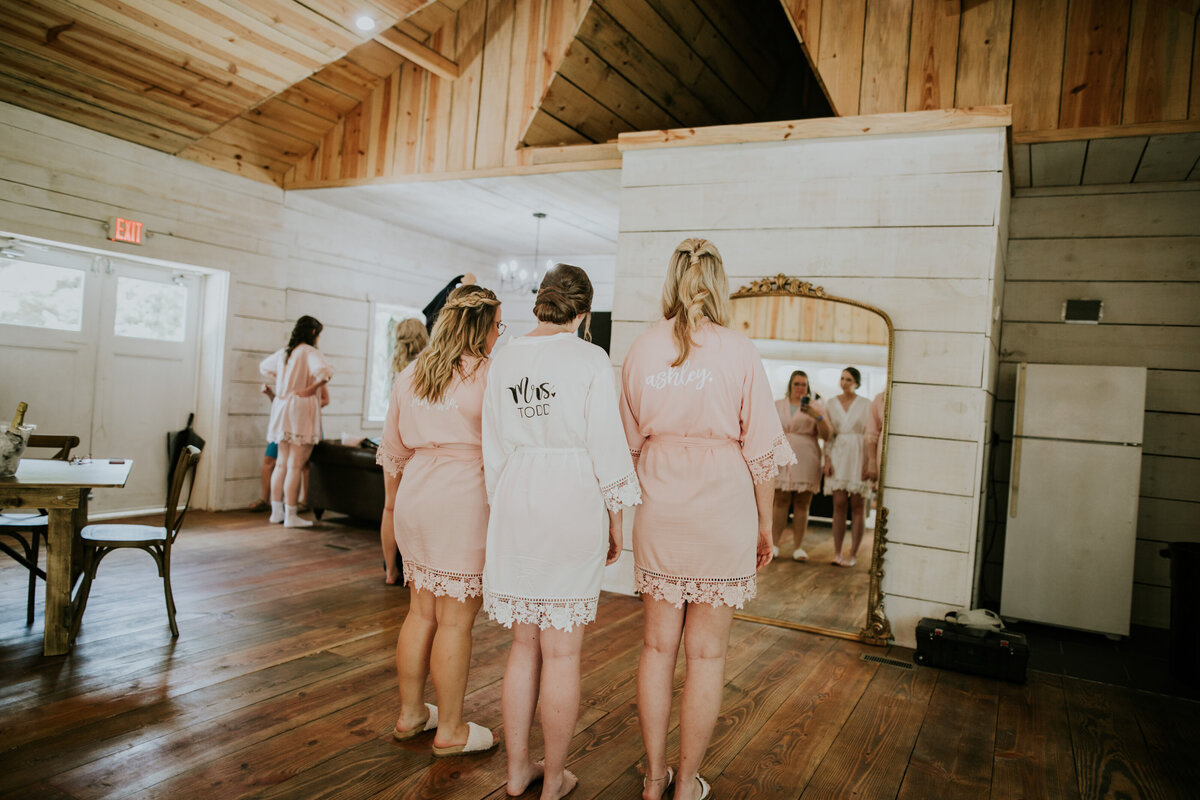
<point x="418" y="53"/>
<point x="865" y="125"/>
<point x="1107" y="131"/>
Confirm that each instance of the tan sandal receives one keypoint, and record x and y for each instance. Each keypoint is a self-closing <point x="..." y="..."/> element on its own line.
<point x="479" y="740"/>
<point x="431" y="723"/>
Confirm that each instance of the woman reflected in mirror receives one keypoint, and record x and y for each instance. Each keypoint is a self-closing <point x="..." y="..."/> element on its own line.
<point x="847" y="465"/>
<point x="804" y="422"/>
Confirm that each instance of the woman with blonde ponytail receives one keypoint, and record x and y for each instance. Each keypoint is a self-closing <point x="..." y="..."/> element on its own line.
<point x="701" y="424"/>
<point x="434" y="490"/>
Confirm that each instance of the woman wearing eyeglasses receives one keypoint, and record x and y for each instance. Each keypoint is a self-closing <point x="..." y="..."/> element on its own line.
<point x="433" y="468"/>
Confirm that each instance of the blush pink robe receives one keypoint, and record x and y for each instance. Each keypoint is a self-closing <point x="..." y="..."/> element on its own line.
<point x="702" y="435"/>
<point x="441" y="513"/>
<point x="801" y="432"/>
<point x="296" y="417"/>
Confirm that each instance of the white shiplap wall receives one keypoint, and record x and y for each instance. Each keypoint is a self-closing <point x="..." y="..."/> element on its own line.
<point x="1137" y="248"/>
<point x="912" y="224"/>
<point x="287" y="256"/>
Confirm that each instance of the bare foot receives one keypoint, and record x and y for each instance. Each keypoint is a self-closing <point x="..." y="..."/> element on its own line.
<point x="519" y="780"/>
<point x="564" y="787"/>
<point x="850" y="563"/>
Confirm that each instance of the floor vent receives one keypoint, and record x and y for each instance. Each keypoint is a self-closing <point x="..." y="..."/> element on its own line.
<point x="891" y="662"/>
<point x="337" y="546"/>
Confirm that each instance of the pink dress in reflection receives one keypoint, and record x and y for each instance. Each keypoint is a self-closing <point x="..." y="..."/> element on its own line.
<point x="702" y="435"/>
<point x="441" y="511"/>
<point x="801" y="432"/>
<point x="296" y="417"/>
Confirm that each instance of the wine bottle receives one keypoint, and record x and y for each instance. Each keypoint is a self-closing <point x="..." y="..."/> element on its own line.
<point x="19" y="417"/>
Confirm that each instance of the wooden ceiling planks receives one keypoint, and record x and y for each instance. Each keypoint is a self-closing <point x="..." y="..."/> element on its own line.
<point x="246" y="85"/>
<point x="660" y="64"/>
<point x="1127" y="159"/>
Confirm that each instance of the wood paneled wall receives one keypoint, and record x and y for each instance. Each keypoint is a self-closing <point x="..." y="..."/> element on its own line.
<point x="1137" y="248"/>
<point x="1061" y="64"/>
<point x="287" y="256"/>
<point x="415" y="122"/>
<point x="911" y="224"/>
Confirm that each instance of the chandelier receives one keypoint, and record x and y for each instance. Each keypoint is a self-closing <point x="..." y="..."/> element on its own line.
<point x="521" y="278"/>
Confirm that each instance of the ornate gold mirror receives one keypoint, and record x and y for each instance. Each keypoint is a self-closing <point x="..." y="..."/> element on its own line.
<point x="798" y="328"/>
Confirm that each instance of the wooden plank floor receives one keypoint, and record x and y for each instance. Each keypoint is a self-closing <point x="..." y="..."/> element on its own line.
<point x="815" y="592"/>
<point x="282" y="685"/>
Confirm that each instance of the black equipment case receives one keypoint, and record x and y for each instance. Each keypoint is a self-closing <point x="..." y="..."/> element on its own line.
<point x="981" y="651"/>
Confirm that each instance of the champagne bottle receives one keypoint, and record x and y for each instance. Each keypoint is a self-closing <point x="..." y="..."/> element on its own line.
<point x="19" y="417"/>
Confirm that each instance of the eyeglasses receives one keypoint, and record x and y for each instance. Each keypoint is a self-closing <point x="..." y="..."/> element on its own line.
<point x="501" y="328"/>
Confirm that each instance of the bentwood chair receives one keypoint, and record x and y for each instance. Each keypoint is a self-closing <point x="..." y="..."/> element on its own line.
<point x="100" y="540"/>
<point x="29" y="528"/>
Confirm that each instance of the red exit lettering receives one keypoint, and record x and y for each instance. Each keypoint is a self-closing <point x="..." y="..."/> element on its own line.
<point x="125" y="230"/>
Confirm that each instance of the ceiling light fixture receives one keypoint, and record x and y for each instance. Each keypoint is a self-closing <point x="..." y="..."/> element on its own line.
<point x="364" y="23"/>
<point x="516" y="278"/>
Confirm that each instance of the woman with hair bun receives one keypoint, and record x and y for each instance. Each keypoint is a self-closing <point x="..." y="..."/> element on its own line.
<point x="409" y="338"/>
<point x="701" y="424"/>
<point x="299" y="373"/>
<point x="433" y="479"/>
<point x="847" y="465"/>
<point x="555" y="462"/>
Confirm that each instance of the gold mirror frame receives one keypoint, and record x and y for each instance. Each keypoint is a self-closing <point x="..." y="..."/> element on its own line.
<point x="878" y="630"/>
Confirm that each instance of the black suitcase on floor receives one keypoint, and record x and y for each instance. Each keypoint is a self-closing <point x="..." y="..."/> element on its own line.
<point x="980" y="651"/>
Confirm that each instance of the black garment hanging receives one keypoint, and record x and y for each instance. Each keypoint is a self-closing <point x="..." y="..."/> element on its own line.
<point x="435" y="305"/>
<point x="176" y="442"/>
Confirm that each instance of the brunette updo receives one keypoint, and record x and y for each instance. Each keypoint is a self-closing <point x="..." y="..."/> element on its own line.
<point x="566" y="292"/>
<point x="855" y="374"/>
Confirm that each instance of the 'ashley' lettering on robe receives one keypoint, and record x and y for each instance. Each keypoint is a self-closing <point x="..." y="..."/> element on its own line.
<point x="683" y="375"/>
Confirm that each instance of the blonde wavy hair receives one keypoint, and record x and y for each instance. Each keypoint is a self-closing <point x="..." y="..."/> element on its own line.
<point x="409" y="338"/>
<point x="461" y="330"/>
<point x="696" y="289"/>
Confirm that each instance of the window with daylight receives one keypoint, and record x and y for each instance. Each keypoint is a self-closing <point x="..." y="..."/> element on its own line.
<point x="384" y="318"/>
<point x="41" y="296"/>
<point x="150" y="310"/>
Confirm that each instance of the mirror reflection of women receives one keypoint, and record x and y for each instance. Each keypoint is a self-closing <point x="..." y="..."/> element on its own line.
<point x="846" y="465"/>
<point x="298" y="373"/>
<point x="557" y="470"/>
<point x="433" y="479"/>
<point x="698" y="413"/>
<point x="803" y="417"/>
<point x="409" y="338"/>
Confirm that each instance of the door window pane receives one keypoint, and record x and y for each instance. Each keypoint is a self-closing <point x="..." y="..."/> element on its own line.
<point x="150" y="310"/>
<point x="41" y="296"/>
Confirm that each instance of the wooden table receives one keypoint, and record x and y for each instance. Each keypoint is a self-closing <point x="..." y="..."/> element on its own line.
<point x="61" y="487"/>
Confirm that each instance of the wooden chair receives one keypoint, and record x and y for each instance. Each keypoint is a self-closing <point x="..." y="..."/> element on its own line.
<point x="29" y="528"/>
<point x="100" y="540"/>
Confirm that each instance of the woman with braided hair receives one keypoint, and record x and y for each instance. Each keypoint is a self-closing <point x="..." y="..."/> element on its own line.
<point x="555" y="463"/>
<point x="433" y="481"/>
<point x="409" y="338"/>
<point x="298" y="373"/>
<point x="701" y="424"/>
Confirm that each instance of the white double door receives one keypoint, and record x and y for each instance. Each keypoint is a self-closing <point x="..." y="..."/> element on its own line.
<point x="116" y="366"/>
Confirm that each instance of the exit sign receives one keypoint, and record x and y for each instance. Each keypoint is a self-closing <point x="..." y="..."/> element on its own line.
<point x="125" y="230"/>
